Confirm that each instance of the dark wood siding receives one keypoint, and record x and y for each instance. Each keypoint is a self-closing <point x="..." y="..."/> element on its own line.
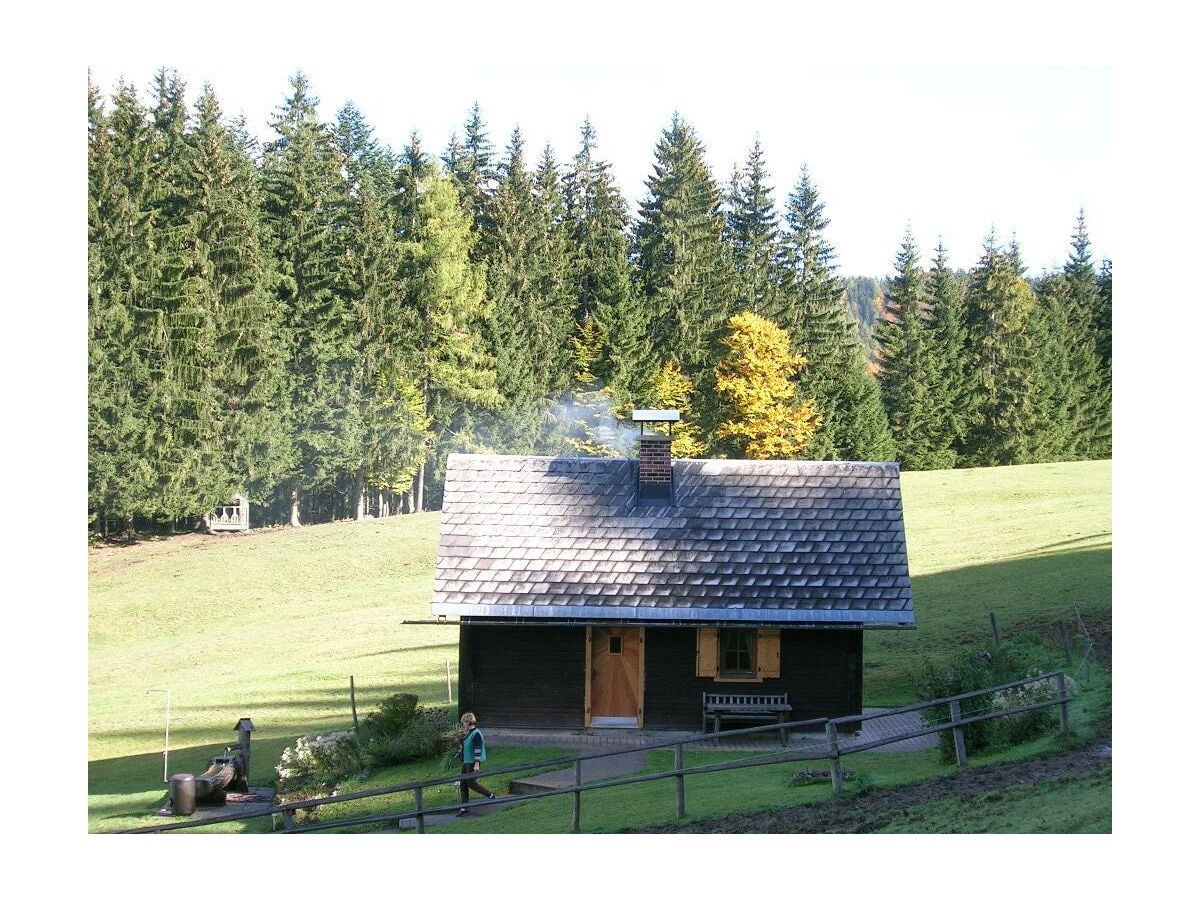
<point x="526" y="675"/>
<point x="533" y="675"/>
<point x="673" y="691"/>
<point x="821" y="670"/>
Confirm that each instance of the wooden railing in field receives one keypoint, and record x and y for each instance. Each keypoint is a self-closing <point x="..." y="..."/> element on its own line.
<point x="833" y="751"/>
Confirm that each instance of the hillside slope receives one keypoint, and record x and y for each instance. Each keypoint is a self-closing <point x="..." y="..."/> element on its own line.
<point x="272" y="624"/>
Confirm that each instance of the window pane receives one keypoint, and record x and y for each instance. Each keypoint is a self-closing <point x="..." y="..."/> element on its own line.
<point x="614" y="645"/>
<point x="737" y="652"/>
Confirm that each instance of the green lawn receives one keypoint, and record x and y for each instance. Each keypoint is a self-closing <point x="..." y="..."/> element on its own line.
<point x="1028" y="543"/>
<point x="1070" y="806"/>
<point x="273" y="624"/>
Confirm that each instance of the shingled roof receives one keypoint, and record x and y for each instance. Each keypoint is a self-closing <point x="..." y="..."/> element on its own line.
<point x="742" y="541"/>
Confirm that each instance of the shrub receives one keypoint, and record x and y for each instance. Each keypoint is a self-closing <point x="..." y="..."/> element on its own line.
<point x="318" y="762"/>
<point x="1022" y="657"/>
<point x="394" y="715"/>
<point x="970" y="672"/>
<point x="402" y="730"/>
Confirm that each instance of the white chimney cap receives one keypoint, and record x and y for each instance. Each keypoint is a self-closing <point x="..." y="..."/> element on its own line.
<point x="656" y="415"/>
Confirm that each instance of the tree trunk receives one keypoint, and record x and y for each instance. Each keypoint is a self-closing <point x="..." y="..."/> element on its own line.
<point x="406" y="503"/>
<point x="360" y="495"/>
<point x="419" y="490"/>
<point x="295" y="513"/>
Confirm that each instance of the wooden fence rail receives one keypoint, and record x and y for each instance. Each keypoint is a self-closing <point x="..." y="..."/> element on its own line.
<point x="833" y="752"/>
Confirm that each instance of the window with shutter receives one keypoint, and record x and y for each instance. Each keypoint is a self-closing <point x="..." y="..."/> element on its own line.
<point x="737" y="654"/>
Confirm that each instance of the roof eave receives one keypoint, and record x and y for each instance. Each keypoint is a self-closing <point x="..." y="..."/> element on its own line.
<point x="864" y="617"/>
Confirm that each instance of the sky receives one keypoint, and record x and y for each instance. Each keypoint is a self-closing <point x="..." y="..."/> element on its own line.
<point x="952" y="146"/>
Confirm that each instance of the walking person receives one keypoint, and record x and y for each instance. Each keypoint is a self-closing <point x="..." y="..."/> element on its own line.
<point x="474" y="752"/>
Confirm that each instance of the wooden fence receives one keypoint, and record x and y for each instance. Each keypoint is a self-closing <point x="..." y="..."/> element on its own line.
<point x="833" y="751"/>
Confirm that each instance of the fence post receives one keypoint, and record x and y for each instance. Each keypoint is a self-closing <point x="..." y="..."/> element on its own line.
<point x="419" y="805"/>
<point x="575" y="796"/>
<point x="960" y="741"/>
<point x="1063" y="724"/>
<point x="835" y="765"/>
<point x="1066" y="641"/>
<point x="995" y="630"/>
<point x="680" y="804"/>
<point x="289" y="819"/>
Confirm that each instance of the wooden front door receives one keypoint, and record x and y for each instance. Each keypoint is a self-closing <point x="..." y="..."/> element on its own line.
<point x="616" y="677"/>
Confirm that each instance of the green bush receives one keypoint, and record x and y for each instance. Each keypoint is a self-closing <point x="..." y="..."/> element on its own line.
<point x="393" y="717"/>
<point x="403" y="730"/>
<point x="318" y="762"/>
<point x="970" y="672"/>
<point x="1022" y="657"/>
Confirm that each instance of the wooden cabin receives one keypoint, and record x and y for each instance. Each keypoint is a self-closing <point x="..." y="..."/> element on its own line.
<point x="597" y="592"/>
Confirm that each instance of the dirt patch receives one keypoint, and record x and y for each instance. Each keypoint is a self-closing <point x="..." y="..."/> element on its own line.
<point x="874" y="810"/>
<point x="116" y="556"/>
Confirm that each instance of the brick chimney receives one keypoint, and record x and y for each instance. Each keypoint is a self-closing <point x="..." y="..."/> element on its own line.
<point x="654" y="457"/>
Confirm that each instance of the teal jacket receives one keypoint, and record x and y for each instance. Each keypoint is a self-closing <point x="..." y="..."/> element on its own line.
<point x="473" y="747"/>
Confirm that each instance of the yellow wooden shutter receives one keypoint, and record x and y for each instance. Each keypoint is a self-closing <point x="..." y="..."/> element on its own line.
<point x="768" y="653"/>
<point x="706" y="652"/>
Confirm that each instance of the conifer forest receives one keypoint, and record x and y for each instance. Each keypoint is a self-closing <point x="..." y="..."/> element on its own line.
<point x="316" y="321"/>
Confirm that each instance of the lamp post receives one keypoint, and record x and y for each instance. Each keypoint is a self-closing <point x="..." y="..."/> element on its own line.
<point x="166" y="728"/>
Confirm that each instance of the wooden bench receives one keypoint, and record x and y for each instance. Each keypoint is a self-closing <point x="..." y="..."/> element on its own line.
<point x="718" y="704"/>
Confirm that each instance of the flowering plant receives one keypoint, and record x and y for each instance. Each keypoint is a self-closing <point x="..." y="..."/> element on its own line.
<point x="319" y="761"/>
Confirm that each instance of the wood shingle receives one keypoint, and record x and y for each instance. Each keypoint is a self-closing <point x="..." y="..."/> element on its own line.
<point x="784" y="541"/>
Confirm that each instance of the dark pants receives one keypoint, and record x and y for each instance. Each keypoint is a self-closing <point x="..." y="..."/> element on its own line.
<point x="470" y="784"/>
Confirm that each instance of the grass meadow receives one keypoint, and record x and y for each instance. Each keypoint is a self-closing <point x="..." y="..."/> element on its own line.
<point x="274" y="623"/>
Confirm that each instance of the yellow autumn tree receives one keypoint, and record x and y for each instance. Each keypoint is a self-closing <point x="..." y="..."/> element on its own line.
<point x="671" y="389"/>
<point x="765" y="418"/>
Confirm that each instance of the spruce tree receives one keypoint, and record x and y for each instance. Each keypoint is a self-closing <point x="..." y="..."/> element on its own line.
<point x="904" y="355"/>
<point x="1102" y="328"/>
<point x="1083" y="302"/>
<point x="384" y="194"/>
<point x="999" y="302"/>
<point x="854" y="424"/>
<point x="185" y="403"/>
<point x="525" y="249"/>
<point x="589" y="425"/>
<point x="683" y="265"/>
<point x="305" y="206"/>
<point x="950" y="383"/>
<point x="121" y="271"/>
<point x="470" y="165"/>
<point x="752" y="226"/>
<point x="152" y="411"/>
<point x="413" y="169"/>
<point x="365" y="158"/>
<point x="1060" y="392"/>
<point x="554" y="320"/>
<point x="509" y="244"/>
<point x="246" y="358"/>
<point x="606" y="305"/>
